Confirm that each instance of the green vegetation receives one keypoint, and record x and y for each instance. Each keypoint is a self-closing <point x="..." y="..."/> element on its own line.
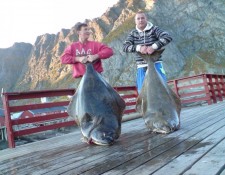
<point x="127" y="25"/>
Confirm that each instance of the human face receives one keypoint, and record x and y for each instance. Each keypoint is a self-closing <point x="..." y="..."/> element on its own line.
<point x="84" y="33"/>
<point x="141" y="21"/>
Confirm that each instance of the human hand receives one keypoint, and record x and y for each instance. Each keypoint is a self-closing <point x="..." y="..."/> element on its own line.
<point x="82" y="59"/>
<point x="143" y="49"/>
<point x="92" y="58"/>
<point x="149" y="50"/>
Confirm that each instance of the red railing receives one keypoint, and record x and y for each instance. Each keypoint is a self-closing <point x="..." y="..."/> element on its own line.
<point x="200" y="88"/>
<point x="129" y="94"/>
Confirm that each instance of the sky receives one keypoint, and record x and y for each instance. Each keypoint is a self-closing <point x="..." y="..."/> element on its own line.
<point x="24" y="20"/>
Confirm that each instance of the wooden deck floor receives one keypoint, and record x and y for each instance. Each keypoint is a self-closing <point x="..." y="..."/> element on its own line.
<point x="197" y="148"/>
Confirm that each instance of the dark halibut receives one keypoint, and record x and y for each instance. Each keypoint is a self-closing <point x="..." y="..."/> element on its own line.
<point x="97" y="108"/>
<point x="159" y="106"/>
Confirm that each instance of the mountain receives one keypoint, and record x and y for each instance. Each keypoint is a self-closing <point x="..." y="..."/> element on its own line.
<point x="12" y="61"/>
<point x="197" y="28"/>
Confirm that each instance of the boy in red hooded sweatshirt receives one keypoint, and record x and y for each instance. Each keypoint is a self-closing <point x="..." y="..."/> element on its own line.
<point x="84" y="51"/>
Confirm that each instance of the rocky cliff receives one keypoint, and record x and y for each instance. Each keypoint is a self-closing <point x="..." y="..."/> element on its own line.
<point x="12" y="62"/>
<point x="197" y="28"/>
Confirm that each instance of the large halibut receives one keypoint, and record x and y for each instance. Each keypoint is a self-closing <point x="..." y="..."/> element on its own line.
<point x="97" y="108"/>
<point x="159" y="106"/>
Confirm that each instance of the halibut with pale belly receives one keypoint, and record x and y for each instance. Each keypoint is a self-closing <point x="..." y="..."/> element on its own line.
<point x="159" y="106"/>
<point x="97" y="108"/>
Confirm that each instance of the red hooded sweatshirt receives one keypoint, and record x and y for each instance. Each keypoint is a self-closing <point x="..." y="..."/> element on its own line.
<point x="88" y="48"/>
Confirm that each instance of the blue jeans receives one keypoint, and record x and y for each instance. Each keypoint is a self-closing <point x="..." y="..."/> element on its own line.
<point x="141" y="74"/>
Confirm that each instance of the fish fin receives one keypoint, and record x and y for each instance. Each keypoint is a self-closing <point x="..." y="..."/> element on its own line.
<point x="176" y="100"/>
<point x="71" y="109"/>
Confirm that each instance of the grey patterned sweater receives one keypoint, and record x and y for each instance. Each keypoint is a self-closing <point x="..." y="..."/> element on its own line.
<point x="150" y="36"/>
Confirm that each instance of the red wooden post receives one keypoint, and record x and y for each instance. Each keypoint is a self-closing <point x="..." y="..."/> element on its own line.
<point x="212" y="90"/>
<point x="204" y="76"/>
<point x="8" y="123"/>
<point x="222" y="82"/>
<point x="175" y="82"/>
<point x="218" y="87"/>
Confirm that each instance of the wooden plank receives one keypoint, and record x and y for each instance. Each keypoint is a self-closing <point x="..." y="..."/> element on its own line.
<point x="124" y="130"/>
<point x="39" y="94"/>
<point x="125" y="88"/>
<point x="121" y="167"/>
<point x="192" y="94"/>
<point x="43" y="128"/>
<point x="37" y="106"/>
<point x="126" y="127"/>
<point x="150" y="165"/>
<point x="144" y="158"/>
<point x="184" y="79"/>
<point x="73" y="153"/>
<point x="207" y="148"/>
<point x="195" y="100"/>
<point x="8" y="122"/>
<point x="192" y="110"/>
<point x="40" y="118"/>
<point x="128" y="111"/>
<point x="36" y="149"/>
<point x="76" y="153"/>
<point x="191" y="86"/>
<point x="129" y="96"/>
<point x="94" y="161"/>
<point x="215" y="159"/>
<point x="130" y="103"/>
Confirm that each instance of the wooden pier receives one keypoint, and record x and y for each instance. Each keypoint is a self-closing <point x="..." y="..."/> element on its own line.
<point x="198" y="148"/>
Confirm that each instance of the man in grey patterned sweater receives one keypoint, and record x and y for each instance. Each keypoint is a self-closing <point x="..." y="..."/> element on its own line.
<point x="145" y="39"/>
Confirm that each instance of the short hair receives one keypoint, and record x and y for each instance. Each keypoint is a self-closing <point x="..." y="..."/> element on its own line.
<point x="140" y="12"/>
<point x="79" y="25"/>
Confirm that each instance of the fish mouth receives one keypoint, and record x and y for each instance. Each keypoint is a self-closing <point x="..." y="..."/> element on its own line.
<point x="99" y="134"/>
<point x="107" y="142"/>
<point x="157" y="124"/>
<point x="98" y="130"/>
<point x="163" y="130"/>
